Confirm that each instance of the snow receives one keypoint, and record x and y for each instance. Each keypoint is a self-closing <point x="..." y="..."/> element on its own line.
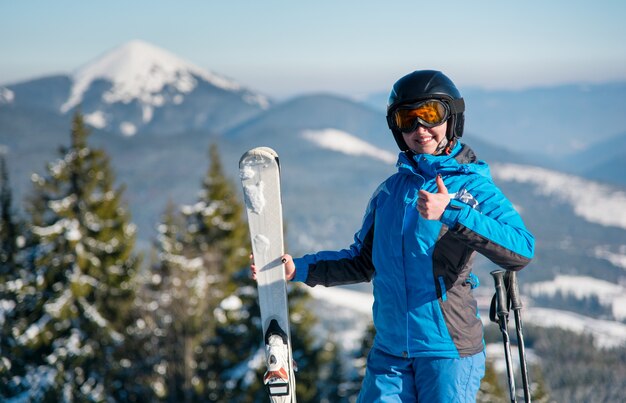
<point x="128" y="129"/>
<point x="616" y="259"/>
<point x="55" y="307"/>
<point x="606" y="333"/>
<point x="95" y="119"/>
<point x="594" y="202"/>
<point x="63" y="204"/>
<point x="70" y="226"/>
<point x="6" y="96"/>
<point x="253" y="191"/>
<point x="619" y="307"/>
<point x="39" y="379"/>
<point x="580" y="287"/>
<point x="184" y="263"/>
<point x="246" y="172"/>
<point x="246" y="370"/>
<point x="255" y="200"/>
<point x="261" y="245"/>
<point x="354" y="300"/>
<point x="5" y="306"/>
<point x="56" y="168"/>
<point x="201" y="208"/>
<point x="146" y="113"/>
<point x="346" y="314"/>
<point x="92" y="313"/>
<point x="231" y="303"/>
<point x="257" y="99"/>
<point x="495" y="352"/>
<point x="73" y="231"/>
<point x="34" y="330"/>
<point x="141" y="71"/>
<point x="340" y="141"/>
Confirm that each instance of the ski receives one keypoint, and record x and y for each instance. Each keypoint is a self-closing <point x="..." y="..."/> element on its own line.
<point x="260" y="177"/>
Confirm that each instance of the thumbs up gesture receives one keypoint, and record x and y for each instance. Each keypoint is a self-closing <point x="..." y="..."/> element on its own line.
<point x="432" y="205"/>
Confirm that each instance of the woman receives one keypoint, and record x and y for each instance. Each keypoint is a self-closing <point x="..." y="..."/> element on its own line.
<point x="420" y="230"/>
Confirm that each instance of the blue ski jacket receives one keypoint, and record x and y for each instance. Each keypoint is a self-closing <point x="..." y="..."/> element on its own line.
<point x="421" y="269"/>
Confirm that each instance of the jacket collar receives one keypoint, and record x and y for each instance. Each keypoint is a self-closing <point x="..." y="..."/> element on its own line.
<point x="462" y="159"/>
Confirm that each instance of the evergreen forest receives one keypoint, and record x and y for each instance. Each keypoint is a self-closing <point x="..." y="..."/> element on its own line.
<point x="85" y="316"/>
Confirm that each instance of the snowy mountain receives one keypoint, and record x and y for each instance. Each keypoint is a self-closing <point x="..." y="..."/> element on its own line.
<point x="334" y="152"/>
<point x="139" y="87"/>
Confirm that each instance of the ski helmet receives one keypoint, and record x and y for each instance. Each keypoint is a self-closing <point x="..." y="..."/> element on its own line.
<point x="422" y="85"/>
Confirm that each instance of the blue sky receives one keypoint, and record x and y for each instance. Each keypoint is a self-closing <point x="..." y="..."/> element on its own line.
<point x="283" y="48"/>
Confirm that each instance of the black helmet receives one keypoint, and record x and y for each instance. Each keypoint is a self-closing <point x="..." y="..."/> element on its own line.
<point x="421" y="85"/>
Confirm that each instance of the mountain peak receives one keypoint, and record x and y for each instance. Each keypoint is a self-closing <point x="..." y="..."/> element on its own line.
<point x="140" y="70"/>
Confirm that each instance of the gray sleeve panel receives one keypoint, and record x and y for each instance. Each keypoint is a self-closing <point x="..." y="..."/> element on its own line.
<point x="451" y="268"/>
<point x="357" y="269"/>
<point x="499" y="255"/>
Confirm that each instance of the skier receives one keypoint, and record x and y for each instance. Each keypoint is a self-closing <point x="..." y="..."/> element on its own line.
<point x="420" y="230"/>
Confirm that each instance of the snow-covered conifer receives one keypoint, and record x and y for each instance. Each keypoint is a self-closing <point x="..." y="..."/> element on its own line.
<point x="82" y="287"/>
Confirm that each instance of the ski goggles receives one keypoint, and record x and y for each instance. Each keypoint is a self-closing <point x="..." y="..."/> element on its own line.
<point x="429" y="113"/>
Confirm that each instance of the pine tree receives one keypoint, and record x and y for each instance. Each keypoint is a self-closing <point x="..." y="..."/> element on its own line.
<point x="313" y="356"/>
<point x="13" y="282"/>
<point x="353" y="385"/>
<point x="331" y="384"/>
<point x="179" y="313"/>
<point x="209" y="241"/>
<point x="215" y="224"/>
<point x="83" y="278"/>
<point x="199" y="248"/>
<point x="9" y="237"/>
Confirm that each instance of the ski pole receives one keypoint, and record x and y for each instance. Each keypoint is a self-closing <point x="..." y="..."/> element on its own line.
<point x="516" y="305"/>
<point x="502" y="313"/>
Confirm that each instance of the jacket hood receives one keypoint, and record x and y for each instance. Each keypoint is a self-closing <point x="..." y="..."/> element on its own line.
<point x="462" y="160"/>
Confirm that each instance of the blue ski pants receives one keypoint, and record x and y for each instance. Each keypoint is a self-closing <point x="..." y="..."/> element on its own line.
<point x="423" y="379"/>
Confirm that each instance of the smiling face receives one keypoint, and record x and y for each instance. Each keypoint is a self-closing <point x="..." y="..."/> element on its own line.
<point x="424" y="140"/>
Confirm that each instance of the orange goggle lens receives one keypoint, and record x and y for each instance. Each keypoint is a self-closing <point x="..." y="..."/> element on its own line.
<point x="428" y="113"/>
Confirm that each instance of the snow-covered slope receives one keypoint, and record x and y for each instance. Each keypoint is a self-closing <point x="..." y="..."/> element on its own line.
<point x="340" y="141"/>
<point x="595" y="202"/>
<point x="6" y="95"/>
<point x="606" y="333"/>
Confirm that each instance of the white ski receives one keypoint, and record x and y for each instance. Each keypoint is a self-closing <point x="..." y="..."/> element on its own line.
<point x="260" y="176"/>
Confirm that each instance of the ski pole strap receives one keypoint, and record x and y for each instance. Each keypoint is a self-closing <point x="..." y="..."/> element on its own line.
<point x="499" y="303"/>
<point x="492" y="310"/>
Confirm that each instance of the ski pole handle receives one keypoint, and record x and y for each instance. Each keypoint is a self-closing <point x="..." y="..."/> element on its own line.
<point x="516" y="300"/>
<point x="501" y="302"/>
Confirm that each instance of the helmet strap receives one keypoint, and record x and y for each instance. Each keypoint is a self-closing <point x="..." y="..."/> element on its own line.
<point x="448" y="142"/>
<point x="442" y="147"/>
<point x="449" y="147"/>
